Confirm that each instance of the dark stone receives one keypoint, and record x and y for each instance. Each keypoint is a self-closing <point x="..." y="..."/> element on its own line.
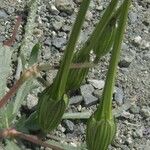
<point x="75" y="100"/>
<point x="69" y="125"/>
<point x="126" y="58"/>
<point x="59" y="42"/>
<point x="3" y="14"/>
<point x="118" y="96"/>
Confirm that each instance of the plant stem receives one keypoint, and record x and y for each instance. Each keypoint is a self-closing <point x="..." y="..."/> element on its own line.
<point x="32" y="72"/>
<point x="46" y="67"/>
<point x="16" y="134"/>
<point x="11" y="41"/>
<point x="10" y="93"/>
<point x="62" y="75"/>
<point x="106" y="107"/>
<point x="27" y="74"/>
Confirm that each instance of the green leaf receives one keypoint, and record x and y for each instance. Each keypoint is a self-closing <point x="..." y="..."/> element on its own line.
<point x="22" y="94"/>
<point x="32" y="122"/>
<point x="20" y="125"/>
<point x="6" y="116"/>
<point x="26" y="45"/>
<point x="34" y="54"/>
<point x="10" y="145"/>
<point x="5" y="61"/>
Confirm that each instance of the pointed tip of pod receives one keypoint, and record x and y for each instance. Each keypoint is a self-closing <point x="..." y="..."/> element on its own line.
<point x="100" y="133"/>
<point x="50" y="113"/>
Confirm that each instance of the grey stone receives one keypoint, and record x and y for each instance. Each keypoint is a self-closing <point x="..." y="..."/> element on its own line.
<point x="3" y="14"/>
<point x="127" y="57"/>
<point x="127" y="115"/>
<point x="137" y="40"/>
<point x="86" y="91"/>
<point x="87" y="88"/>
<point x="138" y="133"/>
<point x="53" y="9"/>
<point x="145" y="111"/>
<point x="69" y="125"/>
<point x="124" y="46"/>
<point x="89" y="99"/>
<point x="31" y="101"/>
<point x="46" y="53"/>
<point x="98" y="93"/>
<point x="66" y="28"/>
<point x="66" y="6"/>
<point x="145" y="44"/>
<point x="124" y="147"/>
<point x="59" y="42"/>
<point x="2" y="38"/>
<point x="10" y="10"/>
<point x="129" y="140"/>
<point x="88" y="16"/>
<point x="57" y="25"/>
<point x="98" y="84"/>
<point x="75" y="100"/>
<point x="147" y="18"/>
<point x="81" y="128"/>
<point x="78" y="1"/>
<point x="118" y="96"/>
<point x="133" y="17"/>
<point x="99" y="8"/>
<point x="61" y="128"/>
<point x="147" y="56"/>
<point x="135" y="109"/>
<point x="48" y="42"/>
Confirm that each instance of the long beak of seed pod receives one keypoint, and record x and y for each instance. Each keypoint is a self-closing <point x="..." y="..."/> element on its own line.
<point x="76" y="76"/>
<point x="53" y="102"/>
<point x="101" y="126"/>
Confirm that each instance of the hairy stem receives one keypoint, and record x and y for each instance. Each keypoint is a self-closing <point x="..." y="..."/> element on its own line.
<point x="31" y="138"/>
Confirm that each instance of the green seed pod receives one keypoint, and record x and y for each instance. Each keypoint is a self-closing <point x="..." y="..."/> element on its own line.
<point x="100" y="133"/>
<point x="77" y="75"/>
<point x="50" y="111"/>
<point x="105" y="41"/>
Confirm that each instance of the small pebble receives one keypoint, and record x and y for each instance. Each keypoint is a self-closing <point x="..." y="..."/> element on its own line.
<point x="146" y="112"/>
<point x="135" y="109"/>
<point x="75" y="100"/>
<point x="31" y="101"/>
<point x="59" y="42"/>
<point x="53" y="9"/>
<point x="126" y="58"/>
<point x="90" y="100"/>
<point x="65" y="5"/>
<point x="118" y="96"/>
<point x="3" y="14"/>
<point x="87" y="88"/>
<point x="98" y="84"/>
<point x="137" y="40"/>
<point x="69" y="125"/>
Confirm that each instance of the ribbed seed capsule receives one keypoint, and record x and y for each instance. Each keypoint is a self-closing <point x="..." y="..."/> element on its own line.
<point x="105" y="41"/>
<point x="100" y="133"/>
<point x="77" y="75"/>
<point x="52" y="110"/>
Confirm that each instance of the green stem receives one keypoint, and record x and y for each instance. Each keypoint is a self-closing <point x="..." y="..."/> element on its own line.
<point x="61" y="78"/>
<point x="107" y="16"/>
<point x="105" y="109"/>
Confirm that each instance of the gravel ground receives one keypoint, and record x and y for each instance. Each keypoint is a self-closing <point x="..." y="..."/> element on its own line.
<point x="53" y="23"/>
